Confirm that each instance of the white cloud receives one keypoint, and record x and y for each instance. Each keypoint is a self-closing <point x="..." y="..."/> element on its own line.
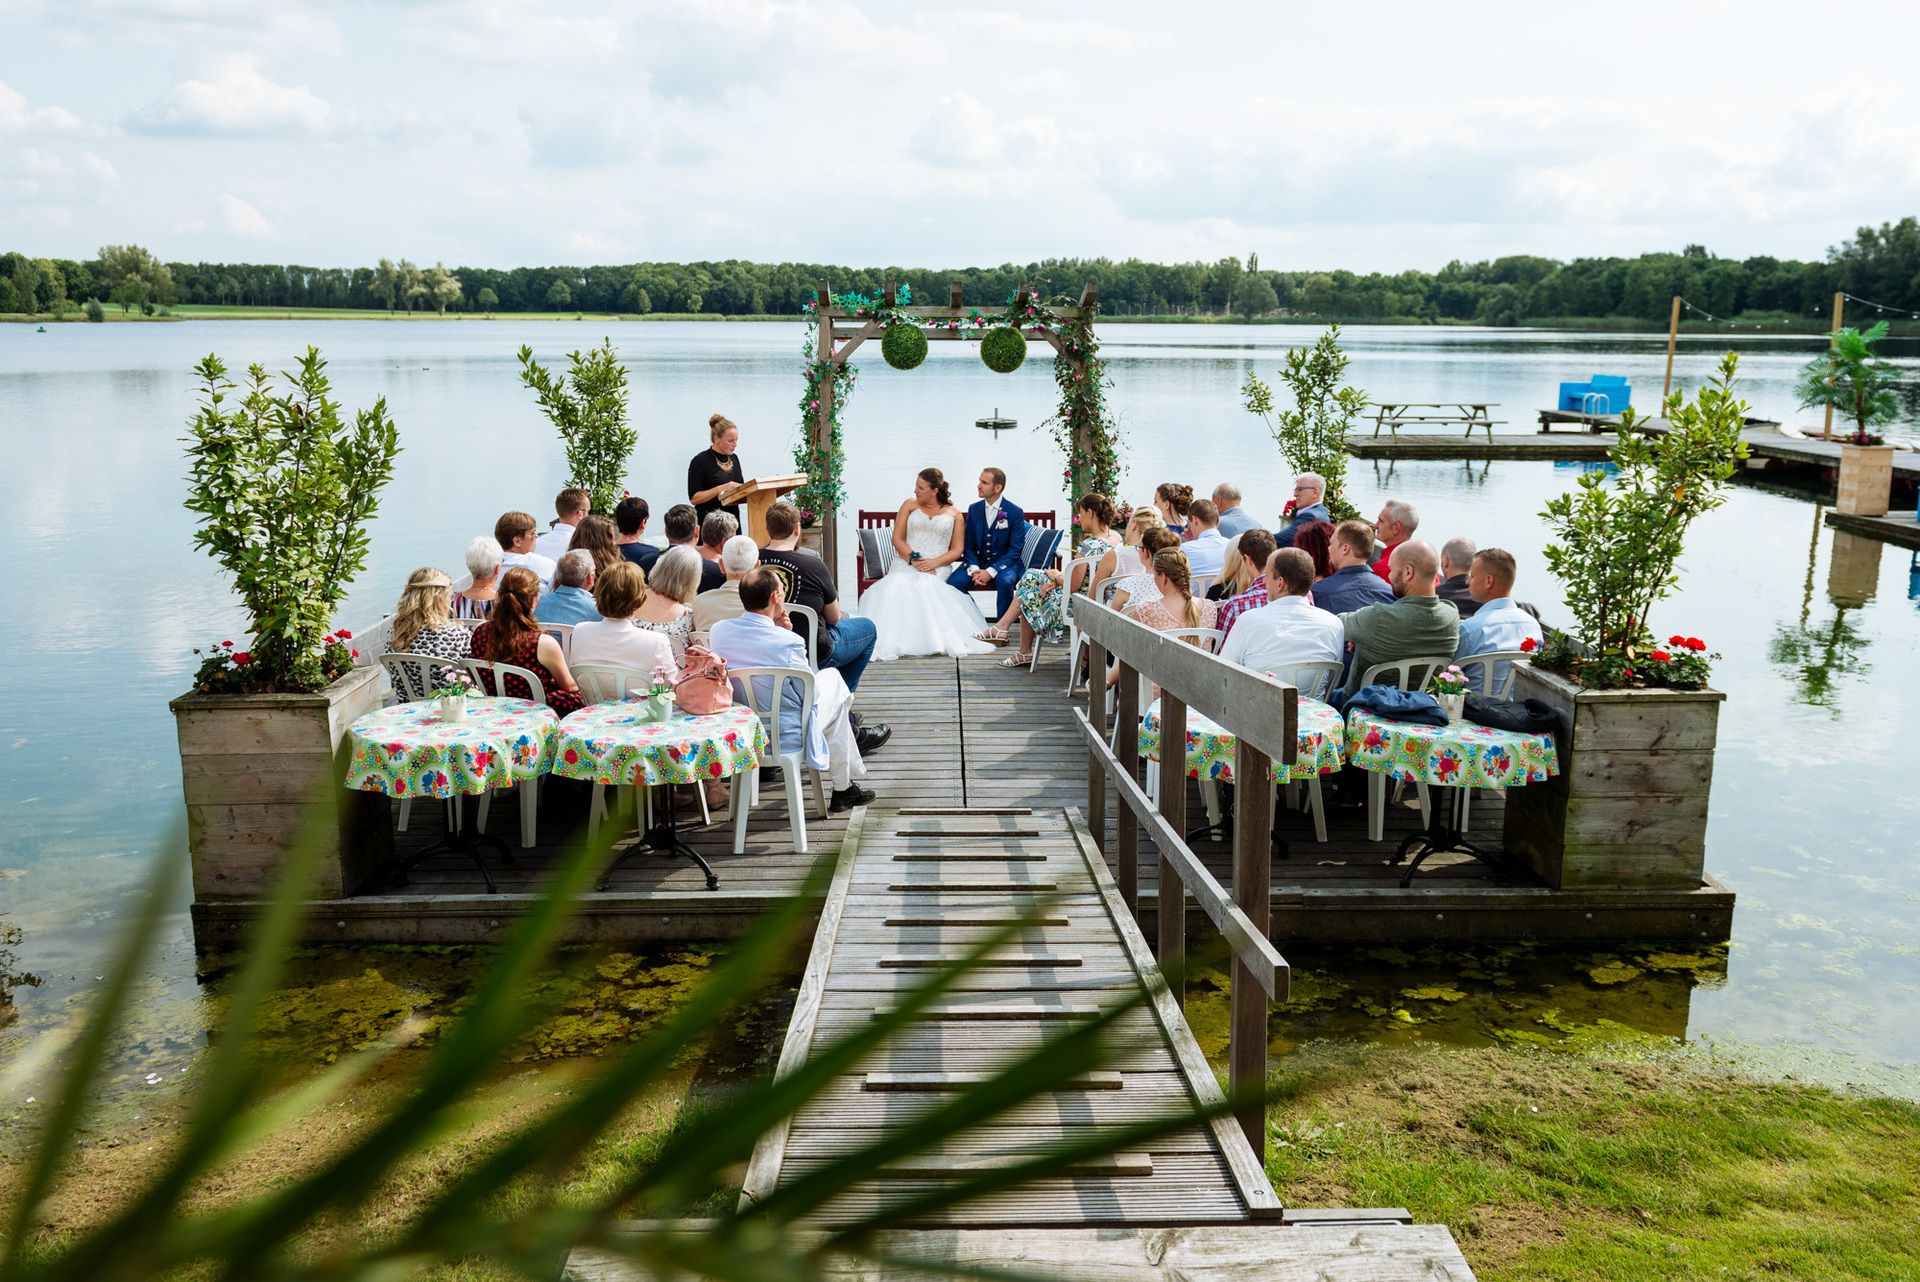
<point x="17" y="118"/>
<point x="582" y="133"/>
<point x="242" y="219"/>
<point x="234" y="101"/>
<point x="54" y="182"/>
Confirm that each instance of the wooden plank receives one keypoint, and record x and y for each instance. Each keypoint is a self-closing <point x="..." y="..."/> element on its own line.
<point x="1005" y="961"/>
<point x="1249" y="1174"/>
<point x="1101" y="1080"/>
<point x="967" y="919"/>
<point x="1126" y="823"/>
<point x="1007" y="1011"/>
<point x="1173" y="816"/>
<point x="953" y="1168"/>
<point x="763" y="1169"/>
<point x="976" y="887"/>
<point x="1251" y="704"/>
<point x="1253" y="894"/>
<point x="1268" y="967"/>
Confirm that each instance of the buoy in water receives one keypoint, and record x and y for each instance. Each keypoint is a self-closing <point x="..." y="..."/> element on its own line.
<point x="996" y="424"/>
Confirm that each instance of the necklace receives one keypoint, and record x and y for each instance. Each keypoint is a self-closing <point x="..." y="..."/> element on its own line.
<point x="727" y="466"/>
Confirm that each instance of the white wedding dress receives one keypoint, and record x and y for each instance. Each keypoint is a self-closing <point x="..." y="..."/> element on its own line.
<point x="916" y="613"/>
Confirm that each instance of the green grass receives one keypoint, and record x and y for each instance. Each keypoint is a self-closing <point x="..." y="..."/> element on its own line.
<point x="1556" y="1166"/>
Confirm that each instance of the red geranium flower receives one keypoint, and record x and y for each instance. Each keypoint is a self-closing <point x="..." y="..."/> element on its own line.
<point x="344" y="635"/>
<point x="1676" y="641"/>
<point x="1529" y="645"/>
<point x="227" y="645"/>
<point x="1695" y="643"/>
<point x="243" y="658"/>
<point x="1660" y="656"/>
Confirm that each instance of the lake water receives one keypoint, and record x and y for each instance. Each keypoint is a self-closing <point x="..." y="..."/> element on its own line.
<point x="1815" y="810"/>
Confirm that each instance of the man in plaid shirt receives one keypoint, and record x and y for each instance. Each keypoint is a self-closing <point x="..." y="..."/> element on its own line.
<point x="1256" y="547"/>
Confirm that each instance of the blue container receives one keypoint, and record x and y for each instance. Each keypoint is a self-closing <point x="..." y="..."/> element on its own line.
<point x="1601" y="394"/>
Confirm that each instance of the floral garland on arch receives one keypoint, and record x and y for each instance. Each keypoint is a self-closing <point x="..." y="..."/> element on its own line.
<point x="1078" y="371"/>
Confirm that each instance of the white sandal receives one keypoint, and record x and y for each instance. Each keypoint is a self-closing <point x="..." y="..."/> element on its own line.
<point x="995" y="635"/>
<point x="1019" y="659"/>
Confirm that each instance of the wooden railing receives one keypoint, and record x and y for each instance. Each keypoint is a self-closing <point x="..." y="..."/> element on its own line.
<point x="1264" y="715"/>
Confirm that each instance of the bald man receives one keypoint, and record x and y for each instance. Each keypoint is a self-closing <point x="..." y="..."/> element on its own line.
<point x="1414" y="624"/>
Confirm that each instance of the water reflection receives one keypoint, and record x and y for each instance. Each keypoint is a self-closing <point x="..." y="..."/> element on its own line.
<point x="1816" y="654"/>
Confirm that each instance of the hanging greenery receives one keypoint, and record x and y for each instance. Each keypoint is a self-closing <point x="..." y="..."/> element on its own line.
<point x="1081" y="427"/>
<point x="904" y="346"/>
<point x="1003" y="350"/>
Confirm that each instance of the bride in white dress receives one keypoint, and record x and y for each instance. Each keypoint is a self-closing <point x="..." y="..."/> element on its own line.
<point x="913" y="609"/>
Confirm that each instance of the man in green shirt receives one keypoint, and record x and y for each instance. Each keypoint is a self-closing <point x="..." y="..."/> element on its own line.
<point x="1415" y="623"/>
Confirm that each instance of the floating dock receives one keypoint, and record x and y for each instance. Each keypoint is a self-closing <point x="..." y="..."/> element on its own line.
<point x="1898" y="528"/>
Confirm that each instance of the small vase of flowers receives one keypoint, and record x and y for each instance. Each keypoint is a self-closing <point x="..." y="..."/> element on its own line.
<point x="660" y="696"/>
<point x="452" y="693"/>
<point x="1449" y="688"/>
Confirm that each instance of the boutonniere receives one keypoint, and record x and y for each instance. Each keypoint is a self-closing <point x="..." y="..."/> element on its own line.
<point x="1001" y="524"/>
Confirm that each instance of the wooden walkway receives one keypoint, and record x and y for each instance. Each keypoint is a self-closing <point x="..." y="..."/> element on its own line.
<point x="1553" y="447"/>
<point x="914" y="889"/>
<point x="1899" y="528"/>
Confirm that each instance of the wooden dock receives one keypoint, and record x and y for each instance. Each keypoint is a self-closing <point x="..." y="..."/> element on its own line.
<point x="1551" y="446"/>
<point x="1901" y="529"/>
<point x="970" y="733"/>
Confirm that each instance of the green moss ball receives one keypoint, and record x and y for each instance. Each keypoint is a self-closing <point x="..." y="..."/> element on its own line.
<point x="904" y="345"/>
<point x="1003" y="349"/>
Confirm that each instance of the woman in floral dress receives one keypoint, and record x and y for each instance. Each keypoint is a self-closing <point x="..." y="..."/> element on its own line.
<point x="1039" y="600"/>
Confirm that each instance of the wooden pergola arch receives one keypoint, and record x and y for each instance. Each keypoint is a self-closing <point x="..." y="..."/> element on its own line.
<point x="841" y="331"/>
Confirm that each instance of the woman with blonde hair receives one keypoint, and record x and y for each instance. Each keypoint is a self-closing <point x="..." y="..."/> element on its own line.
<point x="716" y="469"/>
<point x="511" y="635"/>
<point x="595" y="534"/>
<point x="1137" y="589"/>
<point x="670" y="589"/>
<point x="422" y="623"/>
<point x="1177" y="607"/>
<point x="613" y="639"/>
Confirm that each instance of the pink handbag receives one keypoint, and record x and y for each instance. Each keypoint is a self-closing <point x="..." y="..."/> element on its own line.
<point x="702" y="686"/>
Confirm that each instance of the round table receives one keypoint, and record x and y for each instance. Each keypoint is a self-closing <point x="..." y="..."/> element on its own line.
<point x="407" y="751"/>
<point x="614" y="743"/>
<point x="1460" y="754"/>
<point x="1210" y="746"/>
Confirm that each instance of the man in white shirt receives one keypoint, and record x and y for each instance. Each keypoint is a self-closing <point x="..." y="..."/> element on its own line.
<point x="1498" y="624"/>
<point x="1287" y="631"/>
<point x="1207" y="550"/>
<point x="515" y="533"/>
<point x="763" y="637"/>
<point x="571" y="505"/>
<point x="738" y="558"/>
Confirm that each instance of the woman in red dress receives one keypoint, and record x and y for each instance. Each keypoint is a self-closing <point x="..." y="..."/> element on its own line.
<point x="510" y="635"/>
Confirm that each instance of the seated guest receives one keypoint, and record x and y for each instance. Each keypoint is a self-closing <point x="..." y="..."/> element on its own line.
<point x="1256" y="549"/>
<point x="671" y="589"/>
<point x="1234" y="519"/>
<point x="483" y="563"/>
<point x="1455" y="556"/>
<point x="1395" y="525"/>
<point x="1288" y="630"/>
<point x="1206" y="550"/>
<point x="847" y="640"/>
<point x="571" y="505"/>
<point x="1235" y="575"/>
<point x="1137" y="589"/>
<point x="514" y="532"/>
<point x="1352" y="583"/>
<point x="1171" y="501"/>
<point x="1497" y="623"/>
<point x="571" y="600"/>
<point x="738" y="558"/>
<point x="594" y="536"/>
<point x="1039" y="599"/>
<point x="1315" y="538"/>
<point x="1175" y="607"/>
<point x="1307" y="504"/>
<point x="422" y="624"/>
<point x="763" y="637"/>
<point x="630" y="523"/>
<point x="1415" y="624"/>
<point x="1126" y="558"/>
<point x="612" y="639"/>
<point x="512" y="635"/>
<point x="715" y="529"/>
<point x="683" y="530"/>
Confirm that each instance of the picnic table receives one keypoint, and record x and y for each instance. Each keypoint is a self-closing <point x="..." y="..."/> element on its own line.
<point x="1466" y="415"/>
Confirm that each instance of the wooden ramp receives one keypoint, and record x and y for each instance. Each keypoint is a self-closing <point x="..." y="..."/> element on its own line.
<point x="913" y="888"/>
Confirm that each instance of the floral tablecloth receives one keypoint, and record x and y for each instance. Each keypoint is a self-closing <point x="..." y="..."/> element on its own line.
<point x="614" y="743"/>
<point x="1210" y="746"/>
<point x="1460" y="755"/>
<point x="408" y="751"/>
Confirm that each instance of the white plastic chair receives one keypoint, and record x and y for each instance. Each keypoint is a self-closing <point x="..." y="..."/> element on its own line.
<point x="529" y="789"/>
<point x="412" y="679"/>
<point x="1489" y="662"/>
<point x="1210" y="639"/>
<point x="1409" y="674"/>
<point x="563" y="633"/>
<point x="809" y="622"/>
<point x="769" y="707"/>
<point x="609" y="683"/>
<point x="1312" y="681"/>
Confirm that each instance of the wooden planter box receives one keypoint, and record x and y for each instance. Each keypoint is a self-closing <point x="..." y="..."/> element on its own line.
<point x="814" y="538"/>
<point x="1629" y="808"/>
<point x="1866" y="480"/>
<point x="255" y="768"/>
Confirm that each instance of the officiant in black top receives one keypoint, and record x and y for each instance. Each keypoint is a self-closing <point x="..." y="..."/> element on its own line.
<point x="716" y="470"/>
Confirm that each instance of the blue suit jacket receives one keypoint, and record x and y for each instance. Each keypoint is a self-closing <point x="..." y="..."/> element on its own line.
<point x="999" y="548"/>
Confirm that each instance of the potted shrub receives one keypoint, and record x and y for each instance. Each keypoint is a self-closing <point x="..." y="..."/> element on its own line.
<point x="284" y="488"/>
<point x="1852" y="379"/>
<point x="1638" y="720"/>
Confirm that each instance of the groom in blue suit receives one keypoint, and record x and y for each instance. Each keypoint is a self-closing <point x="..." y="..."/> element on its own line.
<point x="996" y="540"/>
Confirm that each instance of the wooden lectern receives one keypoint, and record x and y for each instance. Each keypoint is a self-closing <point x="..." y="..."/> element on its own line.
<point x="758" y="495"/>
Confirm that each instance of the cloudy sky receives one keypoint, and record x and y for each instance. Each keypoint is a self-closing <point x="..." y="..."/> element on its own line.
<point x="1379" y="136"/>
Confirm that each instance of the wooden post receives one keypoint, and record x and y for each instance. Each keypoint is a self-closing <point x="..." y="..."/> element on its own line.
<point x="1096" y="771"/>
<point x="1253" y="892"/>
<point x="954" y="295"/>
<point x="823" y="422"/>
<point x="1673" y="332"/>
<point x="1173" y="807"/>
<point x="1126" y="719"/>
<point x="1839" y="307"/>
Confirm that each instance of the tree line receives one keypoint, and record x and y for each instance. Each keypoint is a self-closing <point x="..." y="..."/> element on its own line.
<point x="1881" y="264"/>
